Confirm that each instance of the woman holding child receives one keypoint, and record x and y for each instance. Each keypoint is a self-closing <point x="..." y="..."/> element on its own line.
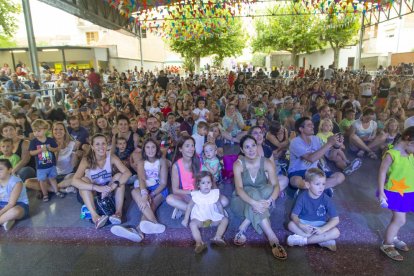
<point x="183" y="175"/>
<point x="257" y="188"/>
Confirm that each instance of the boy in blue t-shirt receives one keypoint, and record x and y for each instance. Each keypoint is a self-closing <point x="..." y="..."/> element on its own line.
<point x="314" y="217"/>
<point x="44" y="148"/>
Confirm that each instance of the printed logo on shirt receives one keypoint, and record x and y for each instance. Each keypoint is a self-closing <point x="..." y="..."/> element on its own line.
<point x="45" y="157"/>
<point x="321" y="211"/>
<point x="102" y="174"/>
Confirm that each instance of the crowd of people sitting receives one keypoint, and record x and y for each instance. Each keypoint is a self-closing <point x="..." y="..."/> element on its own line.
<point x="168" y="138"/>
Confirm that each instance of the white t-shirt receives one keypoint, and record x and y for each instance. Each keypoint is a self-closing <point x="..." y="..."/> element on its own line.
<point x="64" y="162"/>
<point x="5" y="191"/>
<point x="364" y="132"/>
<point x="298" y="148"/>
<point x="409" y="122"/>
<point x="202" y="113"/>
<point x="366" y="88"/>
<point x="200" y="140"/>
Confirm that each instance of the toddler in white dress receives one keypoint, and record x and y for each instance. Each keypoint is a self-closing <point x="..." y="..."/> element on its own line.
<point x="205" y="210"/>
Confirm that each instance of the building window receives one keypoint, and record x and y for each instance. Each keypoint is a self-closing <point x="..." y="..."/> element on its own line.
<point x="91" y="37"/>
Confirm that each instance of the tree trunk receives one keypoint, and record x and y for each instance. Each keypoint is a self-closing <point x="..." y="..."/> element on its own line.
<point x="294" y="59"/>
<point x="336" y="56"/>
<point x="197" y="64"/>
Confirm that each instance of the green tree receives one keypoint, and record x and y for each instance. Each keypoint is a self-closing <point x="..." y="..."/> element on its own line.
<point x="290" y="28"/>
<point x="259" y="59"/>
<point x="340" y="31"/>
<point x="8" y="26"/>
<point x="214" y="34"/>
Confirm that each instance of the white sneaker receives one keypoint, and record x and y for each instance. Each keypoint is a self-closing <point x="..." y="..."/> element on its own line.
<point x="176" y="214"/>
<point x="114" y="219"/>
<point x="331" y="245"/>
<point x="127" y="233"/>
<point x="355" y="165"/>
<point x="297" y="240"/>
<point x="8" y="225"/>
<point x="148" y="227"/>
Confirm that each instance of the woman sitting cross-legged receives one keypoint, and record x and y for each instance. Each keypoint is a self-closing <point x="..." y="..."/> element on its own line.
<point x="94" y="174"/>
<point x="149" y="192"/>
<point x="257" y="188"/>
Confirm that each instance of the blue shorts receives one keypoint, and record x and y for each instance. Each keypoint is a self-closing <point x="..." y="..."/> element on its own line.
<point x="313" y="223"/>
<point x="44" y="174"/>
<point x="164" y="192"/>
<point x="301" y="173"/>
<point x="21" y="204"/>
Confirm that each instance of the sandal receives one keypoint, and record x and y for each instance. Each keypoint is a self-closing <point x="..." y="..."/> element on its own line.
<point x="390" y="251"/>
<point x="45" y="198"/>
<point x="101" y="222"/>
<point x="400" y="245"/>
<point x="279" y="252"/>
<point x="200" y="248"/>
<point x="240" y="239"/>
<point x="218" y="242"/>
<point x="60" y="195"/>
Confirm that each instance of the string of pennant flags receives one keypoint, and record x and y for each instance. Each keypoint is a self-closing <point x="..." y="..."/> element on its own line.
<point x="188" y="19"/>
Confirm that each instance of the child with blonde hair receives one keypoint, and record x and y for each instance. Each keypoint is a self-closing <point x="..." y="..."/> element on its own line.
<point x="43" y="148"/>
<point x="337" y="154"/>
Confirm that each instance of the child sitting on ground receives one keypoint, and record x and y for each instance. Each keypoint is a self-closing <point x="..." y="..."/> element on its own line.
<point x="210" y="161"/>
<point x="337" y="154"/>
<point x="14" y="203"/>
<point x="6" y="147"/>
<point x="314" y="217"/>
<point x="44" y="148"/>
<point x="206" y="210"/>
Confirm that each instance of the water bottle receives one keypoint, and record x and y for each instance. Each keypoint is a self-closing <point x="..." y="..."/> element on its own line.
<point x="383" y="203"/>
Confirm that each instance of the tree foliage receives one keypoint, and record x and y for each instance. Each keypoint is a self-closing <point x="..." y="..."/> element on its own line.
<point x="8" y="23"/>
<point x="340" y="31"/>
<point x="296" y="32"/>
<point x="196" y="38"/>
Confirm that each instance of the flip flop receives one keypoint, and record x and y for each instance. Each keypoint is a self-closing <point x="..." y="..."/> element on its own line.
<point x="101" y="222"/>
<point x="148" y="227"/>
<point x="279" y="252"/>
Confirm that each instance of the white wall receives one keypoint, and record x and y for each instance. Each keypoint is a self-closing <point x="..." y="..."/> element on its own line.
<point x="326" y="57"/>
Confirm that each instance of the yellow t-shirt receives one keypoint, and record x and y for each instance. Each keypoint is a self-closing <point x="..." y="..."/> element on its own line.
<point x="324" y="136"/>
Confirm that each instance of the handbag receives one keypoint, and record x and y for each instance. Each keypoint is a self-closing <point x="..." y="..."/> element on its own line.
<point x="105" y="206"/>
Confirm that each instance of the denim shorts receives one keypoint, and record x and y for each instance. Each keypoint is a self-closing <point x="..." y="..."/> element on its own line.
<point x="44" y="174"/>
<point x="21" y="204"/>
